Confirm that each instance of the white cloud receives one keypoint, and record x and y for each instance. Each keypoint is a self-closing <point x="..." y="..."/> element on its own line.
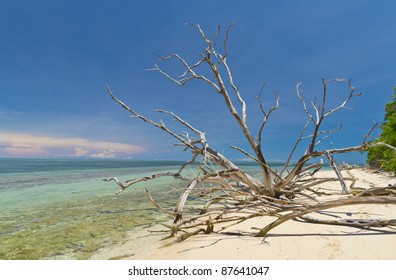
<point x="21" y="144"/>
<point x="105" y="154"/>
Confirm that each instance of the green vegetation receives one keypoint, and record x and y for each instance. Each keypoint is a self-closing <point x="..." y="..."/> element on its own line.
<point x="379" y="156"/>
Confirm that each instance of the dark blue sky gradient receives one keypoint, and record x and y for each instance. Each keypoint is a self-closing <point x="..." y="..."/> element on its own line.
<point x="55" y="57"/>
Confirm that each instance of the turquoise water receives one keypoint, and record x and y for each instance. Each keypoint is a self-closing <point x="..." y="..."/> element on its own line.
<point x="61" y="208"/>
<point x="51" y="209"/>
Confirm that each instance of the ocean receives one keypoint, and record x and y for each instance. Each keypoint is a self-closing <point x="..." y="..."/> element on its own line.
<point x="62" y="209"/>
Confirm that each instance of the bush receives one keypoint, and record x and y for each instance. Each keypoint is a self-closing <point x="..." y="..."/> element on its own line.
<point x="382" y="157"/>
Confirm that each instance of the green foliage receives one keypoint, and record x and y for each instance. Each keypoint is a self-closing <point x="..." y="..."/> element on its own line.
<point x="390" y="108"/>
<point x="382" y="157"/>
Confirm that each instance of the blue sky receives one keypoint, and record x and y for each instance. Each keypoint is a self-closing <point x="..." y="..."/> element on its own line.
<point x="55" y="57"/>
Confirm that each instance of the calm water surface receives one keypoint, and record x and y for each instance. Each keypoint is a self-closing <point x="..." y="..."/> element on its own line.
<point x="51" y="209"/>
<point x="61" y="208"/>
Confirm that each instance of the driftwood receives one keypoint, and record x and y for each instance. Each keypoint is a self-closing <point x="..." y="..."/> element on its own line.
<point x="230" y="195"/>
<point x="359" y="223"/>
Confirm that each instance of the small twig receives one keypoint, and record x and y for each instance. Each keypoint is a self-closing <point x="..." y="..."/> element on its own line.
<point x="151" y="199"/>
<point x="369" y="133"/>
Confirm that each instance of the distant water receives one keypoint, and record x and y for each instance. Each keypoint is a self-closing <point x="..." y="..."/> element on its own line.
<point x="61" y="208"/>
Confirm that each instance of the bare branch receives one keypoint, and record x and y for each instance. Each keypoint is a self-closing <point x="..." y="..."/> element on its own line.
<point x="160" y="125"/>
<point x="369" y="133"/>
<point x="266" y="115"/>
<point x="236" y="90"/>
<point x="376" y="144"/>
<point x="200" y="133"/>
<point x="324" y="132"/>
<point x="300" y="95"/>
<point x="144" y="179"/>
<point x="316" y="112"/>
<point x="246" y="153"/>
<point x="209" y="42"/>
<point x="225" y="41"/>
<point x="257" y="160"/>
<point x="300" y="138"/>
<point x="184" y="79"/>
<point x="359" y="223"/>
<point x="187" y="163"/>
<point x="336" y="169"/>
<point x="320" y="111"/>
<point x="182" y="201"/>
<point x="151" y="199"/>
<point x="342" y="106"/>
<point x="326" y="205"/>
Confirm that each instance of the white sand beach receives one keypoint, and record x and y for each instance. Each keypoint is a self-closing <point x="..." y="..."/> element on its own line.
<point x="292" y="240"/>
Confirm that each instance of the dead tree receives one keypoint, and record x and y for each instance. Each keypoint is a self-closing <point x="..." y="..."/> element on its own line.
<point x="230" y="194"/>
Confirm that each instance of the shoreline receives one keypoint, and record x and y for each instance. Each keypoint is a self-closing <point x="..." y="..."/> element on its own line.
<point x="292" y="240"/>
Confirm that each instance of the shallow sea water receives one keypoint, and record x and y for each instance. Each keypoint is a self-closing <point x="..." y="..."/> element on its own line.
<point x="61" y="209"/>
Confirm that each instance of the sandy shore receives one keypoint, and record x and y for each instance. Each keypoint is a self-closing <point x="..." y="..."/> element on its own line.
<point x="291" y="240"/>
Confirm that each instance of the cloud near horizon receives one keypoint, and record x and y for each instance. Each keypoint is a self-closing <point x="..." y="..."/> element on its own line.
<point x="28" y="145"/>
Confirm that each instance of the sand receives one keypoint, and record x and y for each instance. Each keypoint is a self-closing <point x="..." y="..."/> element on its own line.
<point x="292" y="240"/>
